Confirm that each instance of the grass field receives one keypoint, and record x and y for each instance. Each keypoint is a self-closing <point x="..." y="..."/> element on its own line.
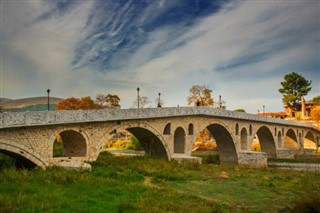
<point x="142" y="184"/>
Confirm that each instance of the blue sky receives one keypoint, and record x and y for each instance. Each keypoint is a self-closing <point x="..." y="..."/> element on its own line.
<point x="240" y="48"/>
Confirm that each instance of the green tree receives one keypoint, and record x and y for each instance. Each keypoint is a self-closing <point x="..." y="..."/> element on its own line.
<point x="239" y="110"/>
<point x="200" y="95"/>
<point x="293" y="88"/>
<point x="316" y="100"/>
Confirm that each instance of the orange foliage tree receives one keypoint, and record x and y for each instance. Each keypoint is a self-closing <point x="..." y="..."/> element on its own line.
<point x="315" y="113"/>
<point x="76" y="104"/>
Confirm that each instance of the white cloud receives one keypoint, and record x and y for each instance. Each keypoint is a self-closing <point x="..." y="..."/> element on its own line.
<point x="283" y="34"/>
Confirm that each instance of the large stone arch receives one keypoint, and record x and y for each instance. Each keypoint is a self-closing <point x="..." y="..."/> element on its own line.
<point x="150" y="138"/>
<point x="179" y="140"/>
<point x="225" y="142"/>
<point x="24" y="155"/>
<point x="75" y="142"/>
<point x="310" y="141"/>
<point x="290" y="140"/>
<point x="266" y="141"/>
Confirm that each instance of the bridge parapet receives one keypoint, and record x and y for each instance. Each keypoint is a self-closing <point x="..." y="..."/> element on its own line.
<point x="19" y="119"/>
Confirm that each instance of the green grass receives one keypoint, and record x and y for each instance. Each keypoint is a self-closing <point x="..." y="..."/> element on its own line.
<point x="118" y="184"/>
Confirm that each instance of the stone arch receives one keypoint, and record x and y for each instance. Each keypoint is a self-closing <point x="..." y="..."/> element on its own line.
<point x="75" y="142"/>
<point x="266" y="140"/>
<point x="225" y="143"/>
<point x="167" y="129"/>
<point x="290" y="140"/>
<point x="151" y="140"/>
<point x="250" y="129"/>
<point x="190" y="129"/>
<point x="237" y="129"/>
<point x="179" y="140"/>
<point x="309" y="141"/>
<point x="25" y="156"/>
<point x="244" y="139"/>
<point x="275" y="131"/>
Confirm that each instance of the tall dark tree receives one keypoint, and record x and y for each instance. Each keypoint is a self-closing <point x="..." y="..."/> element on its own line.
<point x="293" y="88"/>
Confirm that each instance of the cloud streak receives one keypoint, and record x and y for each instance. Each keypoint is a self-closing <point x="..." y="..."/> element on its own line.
<point x="241" y="49"/>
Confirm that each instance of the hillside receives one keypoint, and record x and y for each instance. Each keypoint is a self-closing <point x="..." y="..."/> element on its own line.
<point x="20" y="103"/>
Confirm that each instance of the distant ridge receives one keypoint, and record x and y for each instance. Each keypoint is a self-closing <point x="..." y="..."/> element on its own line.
<point x="20" y="103"/>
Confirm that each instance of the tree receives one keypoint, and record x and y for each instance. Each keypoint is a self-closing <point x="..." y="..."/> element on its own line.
<point x="200" y="95"/>
<point x="316" y="100"/>
<point x="293" y="88"/>
<point x="239" y="110"/>
<point x="76" y="104"/>
<point x="87" y="103"/>
<point x="143" y="101"/>
<point x="68" y="104"/>
<point x="108" y="101"/>
<point x="315" y="113"/>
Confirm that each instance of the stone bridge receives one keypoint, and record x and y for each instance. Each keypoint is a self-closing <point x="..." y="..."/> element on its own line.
<point x="164" y="132"/>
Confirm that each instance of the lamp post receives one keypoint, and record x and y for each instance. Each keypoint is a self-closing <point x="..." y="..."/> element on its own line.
<point x="138" y="89"/>
<point x="48" y="91"/>
<point x="159" y="103"/>
<point x="263" y="110"/>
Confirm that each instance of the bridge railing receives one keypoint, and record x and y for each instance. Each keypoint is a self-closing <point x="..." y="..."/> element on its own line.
<point x="18" y="119"/>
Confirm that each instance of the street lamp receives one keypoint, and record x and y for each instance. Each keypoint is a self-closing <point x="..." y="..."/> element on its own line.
<point x="263" y="110"/>
<point x="138" y="89"/>
<point x="159" y="103"/>
<point x="48" y="91"/>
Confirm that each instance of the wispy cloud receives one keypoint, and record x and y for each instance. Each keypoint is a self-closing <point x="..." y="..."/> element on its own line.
<point x="241" y="49"/>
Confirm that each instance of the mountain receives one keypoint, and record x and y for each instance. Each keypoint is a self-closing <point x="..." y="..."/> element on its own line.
<point x="20" y="103"/>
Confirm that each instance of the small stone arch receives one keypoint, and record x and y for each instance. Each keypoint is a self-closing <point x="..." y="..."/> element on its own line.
<point x="167" y="129"/>
<point x="74" y="142"/>
<point x="179" y="140"/>
<point x="244" y="139"/>
<point x="275" y="131"/>
<point x="190" y="129"/>
<point x="266" y="140"/>
<point x="250" y="129"/>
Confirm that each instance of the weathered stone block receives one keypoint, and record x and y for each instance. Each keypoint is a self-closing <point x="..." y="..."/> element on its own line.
<point x="255" y="159"/>
<point x="285" y="153"/>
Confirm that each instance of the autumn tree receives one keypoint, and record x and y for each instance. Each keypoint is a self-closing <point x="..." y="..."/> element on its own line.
<point x="200" y="95"/>
<point x="315" y="113"/>
<point x="72" y="103"/>
<point x="68" y="104"/>
<point x="293" y="88"/>
<point x="108" y="101"/>
<point x="87" y="103"/>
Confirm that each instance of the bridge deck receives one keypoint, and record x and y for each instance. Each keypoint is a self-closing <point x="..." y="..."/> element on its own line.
<point x="43" y="118"/>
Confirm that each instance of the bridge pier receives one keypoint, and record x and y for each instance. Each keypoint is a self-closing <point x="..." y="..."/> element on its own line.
<point x="285" y="153"/>
<point x="254" y="159"/>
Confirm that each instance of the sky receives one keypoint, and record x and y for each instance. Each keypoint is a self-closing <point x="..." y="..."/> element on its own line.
<point x="241" y="49"/>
